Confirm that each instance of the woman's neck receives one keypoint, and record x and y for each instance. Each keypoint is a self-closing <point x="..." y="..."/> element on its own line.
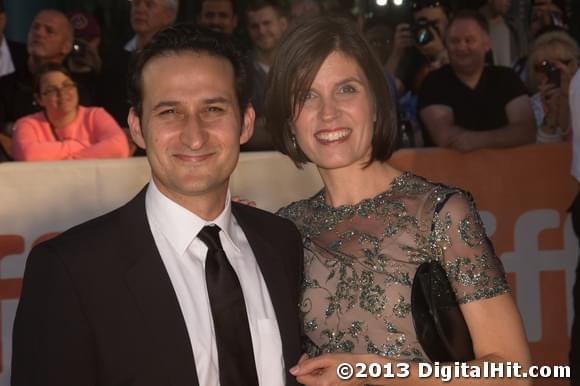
<point x="61" y="120"/>
<point x="352" y="184"/>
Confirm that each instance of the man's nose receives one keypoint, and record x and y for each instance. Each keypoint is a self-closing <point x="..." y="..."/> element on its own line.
<point x="194" y="134"/>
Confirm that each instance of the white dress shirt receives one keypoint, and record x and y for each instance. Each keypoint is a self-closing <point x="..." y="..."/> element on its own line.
<point x="131" y="45"/>
<point x="175" y="232"/>
<point x="6" y="64"/>
<point x="574" y="101"/>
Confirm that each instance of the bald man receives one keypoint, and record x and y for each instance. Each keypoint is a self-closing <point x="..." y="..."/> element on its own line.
<point x="50" y="38"/>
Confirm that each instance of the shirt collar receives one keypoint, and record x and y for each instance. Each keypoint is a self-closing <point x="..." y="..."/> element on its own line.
<point x="6" y="62"/>
<point x="180" y="226"/>
<point x="131" y="44"/>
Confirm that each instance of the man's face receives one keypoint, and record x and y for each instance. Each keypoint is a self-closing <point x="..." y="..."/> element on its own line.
<point x="500" y="7"/>
<point x="190" y="125"/>
<point x="467" y="45"/>
<point x="150" y="16"/>
<point x="266" y="27"/>
<point x="218" y="15"/>
<point x="50" y="36"/>
<point x="436" y="16"/>
<point x="303" y="9"/>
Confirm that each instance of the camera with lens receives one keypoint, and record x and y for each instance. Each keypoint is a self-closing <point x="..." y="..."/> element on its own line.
<point x="422" y="30"/>
<point x="551" y="71"/>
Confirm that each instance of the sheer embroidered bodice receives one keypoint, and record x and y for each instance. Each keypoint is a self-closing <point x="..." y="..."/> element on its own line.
<point x="360" y="262"/>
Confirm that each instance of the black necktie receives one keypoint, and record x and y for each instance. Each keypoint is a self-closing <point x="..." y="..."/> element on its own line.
<point x="232" y="330"/>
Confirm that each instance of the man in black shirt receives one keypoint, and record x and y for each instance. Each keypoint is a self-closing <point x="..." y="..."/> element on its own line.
<point x="468" y="105"/>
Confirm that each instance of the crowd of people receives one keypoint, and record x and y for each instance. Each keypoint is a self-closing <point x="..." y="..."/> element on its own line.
<point x="462" y="79"/>
<point x="251" y="297"/>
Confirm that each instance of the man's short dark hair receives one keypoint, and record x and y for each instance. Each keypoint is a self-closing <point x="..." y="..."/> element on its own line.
<point x="2" y="9"/>
<point x="234" y="4"/>
<point x="301" y="53"/>
<point x="418" y="5"/>
<point x="257" y="5"/>
<point x="188" y="37"/>
<point x="470" y="14"/>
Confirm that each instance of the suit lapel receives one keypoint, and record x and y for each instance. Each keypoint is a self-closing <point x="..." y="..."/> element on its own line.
<point x="149" y="282"/>
<point x="269" y="260"/>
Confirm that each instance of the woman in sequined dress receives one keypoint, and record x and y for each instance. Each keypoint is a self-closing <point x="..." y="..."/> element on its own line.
<point x="371" y="225"/>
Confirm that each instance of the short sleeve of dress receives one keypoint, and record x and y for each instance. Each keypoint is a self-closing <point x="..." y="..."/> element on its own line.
<point x="466" y="253"/>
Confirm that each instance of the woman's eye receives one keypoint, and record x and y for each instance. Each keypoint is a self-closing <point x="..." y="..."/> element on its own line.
<point x="347" y="89"/>
<point x="309" y="95"/>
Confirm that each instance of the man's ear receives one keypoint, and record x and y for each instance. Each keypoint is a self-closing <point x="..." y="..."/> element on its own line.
<point x="67" y="45"/>
<point x="247" y="124"/>
<point x="486" y="42"/>
<point x="135" y="128"/>
<point x="284" y="23"/>
<point x="235" y="19"/>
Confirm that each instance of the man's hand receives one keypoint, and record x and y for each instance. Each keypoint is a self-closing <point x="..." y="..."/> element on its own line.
<point x="244" y="201"/>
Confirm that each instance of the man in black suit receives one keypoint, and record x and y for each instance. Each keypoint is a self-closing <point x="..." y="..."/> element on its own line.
<point x="134" y="297"/>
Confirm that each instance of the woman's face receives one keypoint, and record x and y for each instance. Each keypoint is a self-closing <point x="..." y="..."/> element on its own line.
<point x="58" y="93"/>
<point x="335" y="126"/>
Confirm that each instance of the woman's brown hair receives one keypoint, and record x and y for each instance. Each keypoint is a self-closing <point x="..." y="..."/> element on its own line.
<point x="45" y="69"/>
<point x="302" y="51"/>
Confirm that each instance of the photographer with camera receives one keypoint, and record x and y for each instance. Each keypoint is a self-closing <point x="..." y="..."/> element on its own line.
<point x="418" y="48"/>
<point x="552" y="62"/>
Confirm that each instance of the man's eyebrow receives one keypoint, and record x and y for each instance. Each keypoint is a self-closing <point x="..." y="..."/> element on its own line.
<point x="165" y="104"/>
<point x="209" y="101"/>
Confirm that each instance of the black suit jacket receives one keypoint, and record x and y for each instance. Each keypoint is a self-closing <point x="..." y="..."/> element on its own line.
<point x="98" y="308"/>
<point x="19" y="54"/>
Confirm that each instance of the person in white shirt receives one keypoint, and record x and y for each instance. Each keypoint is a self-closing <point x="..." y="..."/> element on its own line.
<point x="6" y="63"/>
<point x="574" y="100"/>
<point x="180" y="286"/>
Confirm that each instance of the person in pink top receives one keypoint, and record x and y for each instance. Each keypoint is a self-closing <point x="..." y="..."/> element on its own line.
<point x="64" y="129"/>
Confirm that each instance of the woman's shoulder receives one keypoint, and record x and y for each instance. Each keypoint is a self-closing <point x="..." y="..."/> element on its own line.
<point x="412" y="184"/>
<point x="297" y="210"/>
<point x="34" y="117"/>
<point x="91" y="110"/>
<point x="432" y="196"/>
<point x="31" y="120"/>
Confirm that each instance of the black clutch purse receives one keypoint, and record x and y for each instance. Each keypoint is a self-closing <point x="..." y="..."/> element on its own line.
<point x="439" y="324"/>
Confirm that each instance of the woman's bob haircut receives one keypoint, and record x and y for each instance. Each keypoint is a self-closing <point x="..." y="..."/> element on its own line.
<point x="302" y="51"/>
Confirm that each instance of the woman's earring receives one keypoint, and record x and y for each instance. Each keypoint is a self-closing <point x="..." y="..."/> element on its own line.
<point x="293" y="138"/>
